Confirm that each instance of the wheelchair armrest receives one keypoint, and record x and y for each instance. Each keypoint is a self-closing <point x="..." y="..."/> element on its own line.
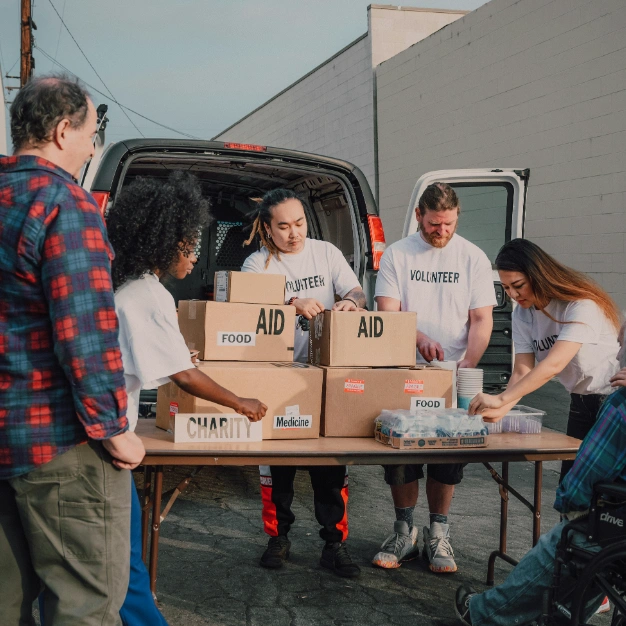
<point x="617" y="489"/>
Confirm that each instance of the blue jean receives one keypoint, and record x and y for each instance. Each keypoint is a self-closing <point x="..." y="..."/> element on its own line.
<point x="139" y="608"/>
<point x="518" y="600"/>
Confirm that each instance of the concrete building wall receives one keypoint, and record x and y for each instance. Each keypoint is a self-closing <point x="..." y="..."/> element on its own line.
<point x="520" y="83"/>
<point x="331" y="110"/>
<point x="3" y="119"/>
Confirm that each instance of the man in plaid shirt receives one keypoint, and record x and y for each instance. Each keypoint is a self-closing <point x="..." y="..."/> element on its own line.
<point x="601" y="458"/>
<point x="64" y="447"/>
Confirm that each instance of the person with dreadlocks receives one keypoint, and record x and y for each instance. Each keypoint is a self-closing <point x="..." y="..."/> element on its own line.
<point x="315" y="272"/>
<point x="154" y="228"/>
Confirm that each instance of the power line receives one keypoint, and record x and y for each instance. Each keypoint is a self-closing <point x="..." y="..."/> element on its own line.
<point x="122" y="106"/>
<point x="93" y="68"/>
<point x="56" y="52"/>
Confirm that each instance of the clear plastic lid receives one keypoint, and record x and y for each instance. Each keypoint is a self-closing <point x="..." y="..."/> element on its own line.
<point x="525" y="411"/>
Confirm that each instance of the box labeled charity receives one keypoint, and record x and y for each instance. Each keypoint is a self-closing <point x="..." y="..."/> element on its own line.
<point x="215" y="428"/>
<point x="225" y="331"/>
<point x="291" y="391"/>
<point x="354" y="396"/>
<point x="430" y="428"/>
<point x="249" y="287"/>
<point x="363" y="338"/>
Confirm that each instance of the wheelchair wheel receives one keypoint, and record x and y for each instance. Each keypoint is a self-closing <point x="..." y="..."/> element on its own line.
<point x="605" y="573"/>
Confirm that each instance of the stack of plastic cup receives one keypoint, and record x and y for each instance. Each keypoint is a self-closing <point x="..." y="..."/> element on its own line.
<point x="469" y="383"/>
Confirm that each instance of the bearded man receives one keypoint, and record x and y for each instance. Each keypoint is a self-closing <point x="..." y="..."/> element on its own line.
<point x="448" y="282"/>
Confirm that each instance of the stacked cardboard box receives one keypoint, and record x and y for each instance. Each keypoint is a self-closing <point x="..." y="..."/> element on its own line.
<point x="246" y="344"/>
<point x="368" y="360"/>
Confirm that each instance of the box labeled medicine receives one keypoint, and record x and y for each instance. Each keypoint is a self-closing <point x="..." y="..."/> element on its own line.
<point x="291" y="391"/>
<point x="354" y="397"/>
<point x="363" y="338"/>
<point x="223" y="331"/>
<point x="249" y="288"/>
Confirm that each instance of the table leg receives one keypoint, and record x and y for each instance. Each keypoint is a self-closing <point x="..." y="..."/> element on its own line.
<point x="156" y="527"/>
<point x="145" y="511"/>
<point x="537" y="502"/>
<point x="504" y="518"/>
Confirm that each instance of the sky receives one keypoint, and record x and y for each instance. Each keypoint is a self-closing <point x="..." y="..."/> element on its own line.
<point x="194" y="65"/>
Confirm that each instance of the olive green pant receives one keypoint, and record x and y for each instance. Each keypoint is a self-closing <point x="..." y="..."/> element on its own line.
<point x="65" y="529"/>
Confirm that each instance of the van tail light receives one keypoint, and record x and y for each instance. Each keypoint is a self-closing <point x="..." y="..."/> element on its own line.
<point x="102" y="198"/>
<point x="377" y="237"/>
<point x="245" y="146"/>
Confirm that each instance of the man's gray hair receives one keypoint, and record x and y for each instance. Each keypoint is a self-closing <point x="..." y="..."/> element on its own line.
<point x="41" y="104"/>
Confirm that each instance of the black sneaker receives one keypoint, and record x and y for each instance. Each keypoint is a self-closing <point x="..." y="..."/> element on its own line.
<point x="276" y="553"/>
<point x="335" y="557"/>
<point x="463" y="596"/>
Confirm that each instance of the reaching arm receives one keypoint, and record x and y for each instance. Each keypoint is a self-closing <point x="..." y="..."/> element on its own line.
<point x="558" y="358"/>
<point x="481" y="325"/>
<point x="198" y="384"/>
<point x="353" y="300"/>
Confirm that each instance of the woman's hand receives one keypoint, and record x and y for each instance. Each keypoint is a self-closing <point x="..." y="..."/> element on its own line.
<point x="309" y="307"/>
<point x="345" y="305"/>
<point x="483" y="402"/>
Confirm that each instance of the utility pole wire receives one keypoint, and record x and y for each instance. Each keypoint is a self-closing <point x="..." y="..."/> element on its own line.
<point x="122" y="106"/>
<point x="94" y="69"/>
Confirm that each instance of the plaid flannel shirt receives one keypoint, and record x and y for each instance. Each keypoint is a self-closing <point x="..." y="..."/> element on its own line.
<point x="61" y="374"/>
<point x="601" y="457"/>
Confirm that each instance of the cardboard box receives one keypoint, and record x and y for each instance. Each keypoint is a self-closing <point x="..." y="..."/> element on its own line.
<point x="291" y="391"/>
<point x="354" y="397"/>
<point x="249" y="287"/>
<point x="364" y="338"/>
<point x="428" y="443"/>
<point x="215" y="428"/>
<point x="223" y="331"/>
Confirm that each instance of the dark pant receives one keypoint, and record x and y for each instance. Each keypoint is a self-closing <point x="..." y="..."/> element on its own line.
<point x="445" y="473"/>
<point x="583" y="411"/>
<point x="65" y="527"/>
<point x="330" y="497"/>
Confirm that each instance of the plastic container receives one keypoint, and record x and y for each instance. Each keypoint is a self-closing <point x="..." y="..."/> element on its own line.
<point x="522" y="419"/>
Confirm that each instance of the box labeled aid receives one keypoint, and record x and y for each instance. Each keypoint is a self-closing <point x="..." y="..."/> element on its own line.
<point x="224" y="331"/>
<point x="249" y="288"/>
<point x="354" y="397"/>
<point x="363" y="338"/>
<point x="292" y="393"/>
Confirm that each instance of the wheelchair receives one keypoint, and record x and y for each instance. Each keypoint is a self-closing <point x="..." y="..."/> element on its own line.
<point x="580" y="574"/>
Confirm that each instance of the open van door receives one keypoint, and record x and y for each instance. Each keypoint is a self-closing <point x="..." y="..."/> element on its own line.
<point x="492" y="213"/>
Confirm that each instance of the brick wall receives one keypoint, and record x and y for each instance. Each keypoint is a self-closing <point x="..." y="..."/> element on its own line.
<point x="520" y="83"/>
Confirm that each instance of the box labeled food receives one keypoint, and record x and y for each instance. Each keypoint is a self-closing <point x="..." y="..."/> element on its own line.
<point x="364" y="338"/>
<point x="225" y="331"/>
<point x="249" y="287"/>
<point x="291" y="391"/>
<point x="354" y="397"/>
<point x="215" y="428"/>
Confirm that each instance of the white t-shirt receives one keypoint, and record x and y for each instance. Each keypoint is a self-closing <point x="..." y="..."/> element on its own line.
<point x="151" y="343"/>
<point x="596" y="361"/>
<point x="440" y="284"/>
<point x="320" y="271"/>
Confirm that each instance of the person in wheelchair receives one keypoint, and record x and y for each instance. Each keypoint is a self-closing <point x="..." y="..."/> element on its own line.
<point x="519" y="599"/>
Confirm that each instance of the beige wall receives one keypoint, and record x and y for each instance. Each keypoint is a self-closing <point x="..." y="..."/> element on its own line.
<point x="3" y="119"/>
<point x="395" y="28"/>
<point x="520" y="83"/>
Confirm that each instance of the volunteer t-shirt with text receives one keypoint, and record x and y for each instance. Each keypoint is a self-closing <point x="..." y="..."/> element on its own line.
<point x="151" y="343"/>
<point x="320" y="271"/>
<point x="596" y="361"/>
<point x="440" y="284"/>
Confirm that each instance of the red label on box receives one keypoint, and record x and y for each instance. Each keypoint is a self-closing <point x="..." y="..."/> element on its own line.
<point x="173" y="408"/>
<point x="413" y="386"/>
<point x="354" y="386"/>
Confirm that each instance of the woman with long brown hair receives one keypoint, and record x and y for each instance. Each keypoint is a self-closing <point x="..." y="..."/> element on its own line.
<point x="564" y="325"/>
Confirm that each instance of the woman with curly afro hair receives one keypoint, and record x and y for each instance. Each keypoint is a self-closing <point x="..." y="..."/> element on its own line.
<point x="154" y="228"/>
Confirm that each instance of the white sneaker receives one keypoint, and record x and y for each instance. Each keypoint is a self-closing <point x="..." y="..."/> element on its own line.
<point x="437" y="549"/>
<point x="399" y="546"/>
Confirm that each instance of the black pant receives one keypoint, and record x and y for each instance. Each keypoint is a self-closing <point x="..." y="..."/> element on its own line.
<point x="583" y="412"/>
<point x="330" y="497"/>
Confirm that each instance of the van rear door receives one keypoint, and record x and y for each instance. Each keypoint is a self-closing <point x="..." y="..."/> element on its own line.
<point x="492" y="213"/>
